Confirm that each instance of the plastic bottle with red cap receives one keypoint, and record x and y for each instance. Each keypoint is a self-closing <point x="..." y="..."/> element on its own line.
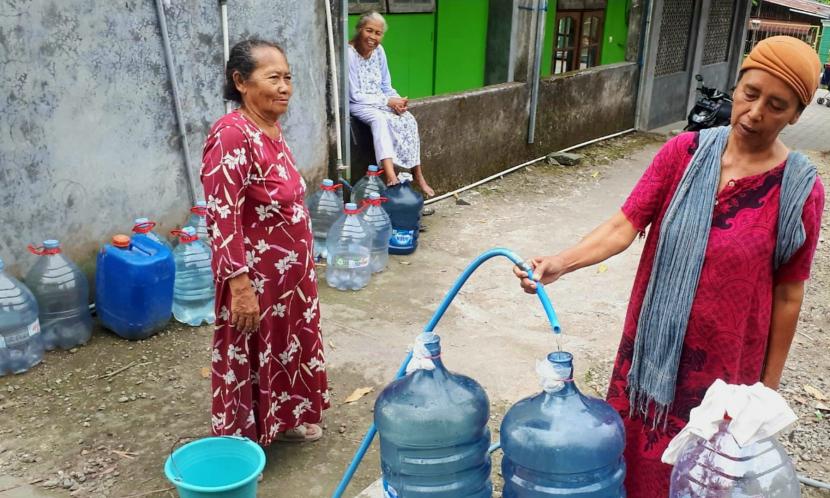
<point x="372" y="182"/>
<point x="21" y="344"/>
<point x="375" y="215"/>
<point x="134" y="286"/>
<point x="193" y="294"/>
<point x="325" y="206"/>
<point x="62" y="293"/>
<point x="198" y="220"/>
<point x="144" y="227"/>
<point x="349" y="244"/>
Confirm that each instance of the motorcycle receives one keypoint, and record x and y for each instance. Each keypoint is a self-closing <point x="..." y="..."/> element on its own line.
<point x="712" y="108"/>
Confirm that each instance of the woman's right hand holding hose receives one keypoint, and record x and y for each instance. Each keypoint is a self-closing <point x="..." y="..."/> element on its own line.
<point x="244" y="304"/>
<point x="546" y="269"/>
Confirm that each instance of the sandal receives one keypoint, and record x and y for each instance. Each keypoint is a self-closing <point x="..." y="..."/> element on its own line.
<point x="304" y="433"/>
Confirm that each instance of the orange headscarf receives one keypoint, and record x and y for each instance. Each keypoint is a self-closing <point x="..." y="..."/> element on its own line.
<point x="789" y="59"/>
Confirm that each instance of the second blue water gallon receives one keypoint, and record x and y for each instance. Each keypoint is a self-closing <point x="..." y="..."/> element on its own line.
<point x="433" y="431"/>
<point x="134" y="286"/>
<point x="560" y="442"/>
<point x="404" y="206"/>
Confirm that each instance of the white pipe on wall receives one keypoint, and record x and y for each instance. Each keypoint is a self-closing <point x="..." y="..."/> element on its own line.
<point x="335" y="94"/>
<point x="223" y="6"/>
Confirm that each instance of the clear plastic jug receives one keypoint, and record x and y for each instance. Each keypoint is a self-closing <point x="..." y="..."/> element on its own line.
<point x="433" y="433"/>
<point x="376" y="216"/>
<point x="562" y="443"/>
<point x="198" y="220"/>
<point x="62" y="293"/>
<point x="372" y="182"/>
<point x="325" y="206"/>
<point x="404" y="205"/>
<point x="349" y="245"/>
<point x="194" y="288"/>
<point x="21" y="344"/>
<point x="720" y="468"/>
<point x="144" y="227"/>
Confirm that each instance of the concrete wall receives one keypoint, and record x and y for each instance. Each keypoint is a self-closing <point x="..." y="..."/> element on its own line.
<point x="88" y="138"/>
<point x="469" y="136"/>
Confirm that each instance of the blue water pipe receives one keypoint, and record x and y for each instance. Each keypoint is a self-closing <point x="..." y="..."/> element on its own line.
<point x="430" y="327"/>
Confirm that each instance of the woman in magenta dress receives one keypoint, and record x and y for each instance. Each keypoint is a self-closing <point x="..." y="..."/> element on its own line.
<point x="268" y="369"/>
<point x="742" y="314"/>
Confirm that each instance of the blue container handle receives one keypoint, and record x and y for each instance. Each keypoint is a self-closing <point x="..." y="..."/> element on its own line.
<point x="430" y="327"/>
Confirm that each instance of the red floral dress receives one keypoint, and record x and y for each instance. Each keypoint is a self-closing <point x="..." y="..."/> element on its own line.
<point x="273" y="379"/>
<point x="729" y="322"/>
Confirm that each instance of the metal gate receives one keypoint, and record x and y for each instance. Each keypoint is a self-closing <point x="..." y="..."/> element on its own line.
<point x="688" y="37"/>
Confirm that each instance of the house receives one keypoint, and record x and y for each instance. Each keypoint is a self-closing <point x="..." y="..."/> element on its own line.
<point x="804" y="19"/>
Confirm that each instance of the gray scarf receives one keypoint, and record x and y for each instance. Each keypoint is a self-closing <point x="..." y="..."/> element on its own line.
<point x="681" y="247"/>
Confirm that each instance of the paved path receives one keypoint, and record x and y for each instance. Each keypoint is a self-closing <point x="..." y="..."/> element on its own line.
<point x="812" y="131"/>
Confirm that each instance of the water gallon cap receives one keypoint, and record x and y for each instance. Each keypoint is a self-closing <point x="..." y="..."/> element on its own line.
<point x="327" y="183"/>
<point x="373" y="168"/>
<point x="374" y="196"/>
<point x="141" y="221"/>
<point x="51" y="244"/>
<point x="201" y="204"/>
<point x="351" y="206"/>
<point x="121" y="241"/>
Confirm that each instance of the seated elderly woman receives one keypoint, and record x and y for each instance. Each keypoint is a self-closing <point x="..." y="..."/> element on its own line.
<point x="373" y="101"/>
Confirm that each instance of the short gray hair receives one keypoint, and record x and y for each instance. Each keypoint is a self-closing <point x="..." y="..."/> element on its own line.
<point x="371" y="16"/>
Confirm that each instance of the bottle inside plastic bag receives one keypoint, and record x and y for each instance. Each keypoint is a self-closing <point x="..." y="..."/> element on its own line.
<point x="721" y="468"/>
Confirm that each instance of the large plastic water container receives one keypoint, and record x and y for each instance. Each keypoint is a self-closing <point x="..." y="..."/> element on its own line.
<point x="720" y="468"/>
<point x="144" y="227"/>
<point x="21" y="344"/>
<point x="198" y="220"/>
<point x="325" y="206"/>
<point x="562" y="443"/>
<point x="134" y="286"/>
<point x="433" y="433"/>
<point x="194" y="289"/>
<point x="404" y="205"/>
<point x="62" y="293"/>
<point x="372" y="182"/>
<point x="376" y="216"/>
<point x="349" y="245"/>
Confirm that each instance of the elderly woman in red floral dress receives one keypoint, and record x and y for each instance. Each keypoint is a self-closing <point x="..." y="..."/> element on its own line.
<point x="268" y="369"/>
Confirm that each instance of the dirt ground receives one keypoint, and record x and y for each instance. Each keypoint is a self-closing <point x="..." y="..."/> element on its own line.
<point x="100" y="421"/>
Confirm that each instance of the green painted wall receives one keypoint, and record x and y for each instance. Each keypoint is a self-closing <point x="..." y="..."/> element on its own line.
<point x="824" y="46"/>
<point x="409" y="46"/>
<point x="615" y="32"/>
<point x="547" y="49"/>
<point x="461" y="45"/>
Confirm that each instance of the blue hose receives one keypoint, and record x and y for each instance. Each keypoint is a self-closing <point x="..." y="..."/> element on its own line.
<point x="436" y="317"/>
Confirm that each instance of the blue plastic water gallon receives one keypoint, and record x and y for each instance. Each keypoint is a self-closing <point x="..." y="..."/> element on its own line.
<point x="21" y="344"/>
<point x="325" y="206"/>
<point x="562" y="443"/>
<point x="144" y="227"/>
<point x="404" y="205"/>
<point x="372" y="182"/>
<point x="721" y="468"/>
<point x="194" y="289"/>
<point x="198" y="220"/>
<point x="62" y="293"/>
<point x="349" y="246"/>
<point x="376" y="216"/>
<point x="134" y="286"/>
<point x="433" y="431"/>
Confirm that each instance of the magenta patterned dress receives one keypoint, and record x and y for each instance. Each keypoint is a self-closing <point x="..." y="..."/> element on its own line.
<point x="273" y="379"/>
<point x="729" y="323"/>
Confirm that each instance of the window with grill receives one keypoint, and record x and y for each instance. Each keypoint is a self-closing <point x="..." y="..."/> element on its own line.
<point x="363" y="6"/>
<point x="718" y="32"/>
<point x="577" y="40"/>
<point x="391" y="6"/>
